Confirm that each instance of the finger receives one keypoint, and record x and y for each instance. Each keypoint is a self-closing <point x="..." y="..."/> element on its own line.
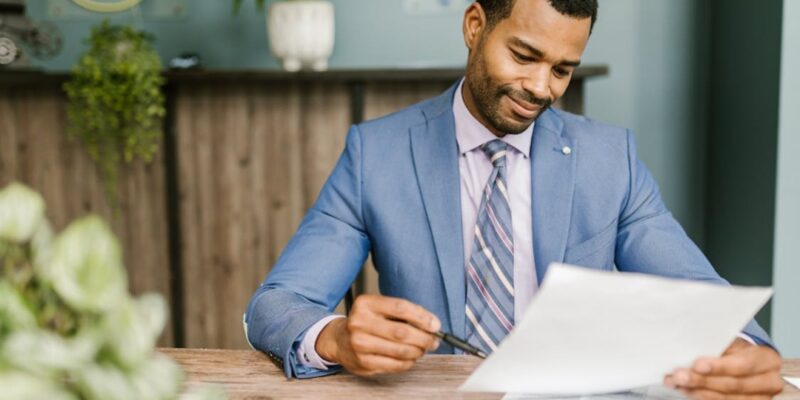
<point x="394" y="331"/>
<point x="407" y="311"/>
<point x="702" y="394"/>
<point x="770" y="383"/>
<point x="368" y="344"/>
<point x="749" y="361"/>
<point x="371" y="364"/>
<point x="737" y="345"/>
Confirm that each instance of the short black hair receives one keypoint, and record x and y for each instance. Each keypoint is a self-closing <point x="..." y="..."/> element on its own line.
<point x="498" y="10"/>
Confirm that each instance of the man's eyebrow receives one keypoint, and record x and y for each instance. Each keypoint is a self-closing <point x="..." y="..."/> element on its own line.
<point x="538" y="53"/>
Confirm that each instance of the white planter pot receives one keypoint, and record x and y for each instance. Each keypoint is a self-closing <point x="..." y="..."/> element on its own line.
<point x="301" y="33"/>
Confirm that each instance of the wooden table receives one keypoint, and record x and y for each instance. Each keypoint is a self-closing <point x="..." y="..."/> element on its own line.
<point x="251" y="375"/>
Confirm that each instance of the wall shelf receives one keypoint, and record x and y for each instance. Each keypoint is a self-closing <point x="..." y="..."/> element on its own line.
<point x="16" y="78"/>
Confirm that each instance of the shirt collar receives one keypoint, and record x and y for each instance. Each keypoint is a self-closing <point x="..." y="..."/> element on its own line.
<point x="470" y="133"/>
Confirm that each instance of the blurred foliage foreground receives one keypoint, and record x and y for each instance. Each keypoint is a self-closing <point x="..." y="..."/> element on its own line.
<point x="69" y="329"/>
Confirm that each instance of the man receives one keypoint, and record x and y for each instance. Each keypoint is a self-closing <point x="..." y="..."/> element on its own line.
<point x="464" y="200"/>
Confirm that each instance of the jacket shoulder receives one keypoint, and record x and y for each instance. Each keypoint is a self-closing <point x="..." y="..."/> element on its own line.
<point x="592" y="133"/>
<point x="396" y="122"/>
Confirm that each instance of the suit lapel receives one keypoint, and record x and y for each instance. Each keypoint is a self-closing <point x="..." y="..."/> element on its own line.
<point x="552" y="185"/>
<point x="435" y="153"/>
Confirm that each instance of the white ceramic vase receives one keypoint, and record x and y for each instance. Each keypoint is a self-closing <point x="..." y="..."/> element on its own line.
<point x="301" y="33"/>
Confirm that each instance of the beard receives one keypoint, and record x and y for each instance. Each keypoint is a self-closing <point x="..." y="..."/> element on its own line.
<point x="487" y="94"/>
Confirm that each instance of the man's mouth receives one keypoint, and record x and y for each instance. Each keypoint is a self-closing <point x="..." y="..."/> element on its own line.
<point x="523" y="108"/>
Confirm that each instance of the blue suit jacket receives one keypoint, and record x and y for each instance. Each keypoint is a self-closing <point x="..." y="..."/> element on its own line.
<point x="395" y="191"/>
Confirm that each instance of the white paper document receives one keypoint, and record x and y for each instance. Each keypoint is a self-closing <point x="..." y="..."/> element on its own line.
<point x="647" y="393"/>
<point x="592" y="332"/>
<point x="793" y="381"/>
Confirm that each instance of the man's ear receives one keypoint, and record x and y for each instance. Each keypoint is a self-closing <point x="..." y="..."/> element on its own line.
<point x="474" y="24"/>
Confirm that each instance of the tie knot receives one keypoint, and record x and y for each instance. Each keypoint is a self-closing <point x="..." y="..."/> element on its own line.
<point x="496" y="151"/>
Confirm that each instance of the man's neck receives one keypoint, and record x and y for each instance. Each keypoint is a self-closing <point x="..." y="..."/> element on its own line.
<point x="469" y="101"/>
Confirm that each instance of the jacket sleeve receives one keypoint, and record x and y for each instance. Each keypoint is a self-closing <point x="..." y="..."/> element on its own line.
<point x="315" y="269"/>
<point x="650" y="240"/>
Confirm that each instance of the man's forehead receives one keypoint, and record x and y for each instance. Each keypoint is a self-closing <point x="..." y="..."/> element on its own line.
<point x="537" y="23"/>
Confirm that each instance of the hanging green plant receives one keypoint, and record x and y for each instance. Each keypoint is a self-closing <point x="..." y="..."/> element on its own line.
<point x="116" y="106"/>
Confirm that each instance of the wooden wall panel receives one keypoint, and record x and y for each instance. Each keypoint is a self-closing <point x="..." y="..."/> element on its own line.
<point x="34" y="150"/>
<point x="383" y="98"/>
<point x="323" y="135"/>
<point x="251" y="160"/>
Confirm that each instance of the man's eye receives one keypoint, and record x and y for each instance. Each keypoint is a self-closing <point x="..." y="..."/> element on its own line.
<point x="522" y="58"/>
<point x="560" y="72"/>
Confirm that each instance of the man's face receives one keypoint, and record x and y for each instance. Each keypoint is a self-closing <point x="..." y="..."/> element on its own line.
<point x="523" y="64"/>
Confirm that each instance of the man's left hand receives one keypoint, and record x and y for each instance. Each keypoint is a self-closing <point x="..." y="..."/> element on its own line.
<point x="744" y="371"/>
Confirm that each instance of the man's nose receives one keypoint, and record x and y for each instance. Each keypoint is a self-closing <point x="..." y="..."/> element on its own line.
<point x="537" y="81"/>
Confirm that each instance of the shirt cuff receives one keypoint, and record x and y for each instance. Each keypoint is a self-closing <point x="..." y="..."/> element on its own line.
<point x="307" y="351"/>
<point x="747" y="338"/>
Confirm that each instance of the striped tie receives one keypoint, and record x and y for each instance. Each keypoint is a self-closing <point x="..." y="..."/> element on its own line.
<point x="490" y="270"/>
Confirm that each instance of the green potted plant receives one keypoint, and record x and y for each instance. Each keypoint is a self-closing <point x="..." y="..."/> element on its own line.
<point x="116" y="106"/>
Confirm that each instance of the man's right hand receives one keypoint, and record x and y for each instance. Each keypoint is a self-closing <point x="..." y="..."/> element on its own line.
<point x="381" y="335"/>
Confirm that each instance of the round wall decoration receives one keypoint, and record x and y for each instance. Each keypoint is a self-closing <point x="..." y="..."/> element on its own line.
<point x="107" y="6"/>
<point x="8" y="50"/>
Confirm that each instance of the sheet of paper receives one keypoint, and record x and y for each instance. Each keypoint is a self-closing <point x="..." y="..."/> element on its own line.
<point x="647" y="393"/>
<point x="593" y="332"/>
<point x="793" y="381"/>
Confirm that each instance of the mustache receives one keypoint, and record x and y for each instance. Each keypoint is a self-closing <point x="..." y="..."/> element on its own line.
<point x="526" y="97"/>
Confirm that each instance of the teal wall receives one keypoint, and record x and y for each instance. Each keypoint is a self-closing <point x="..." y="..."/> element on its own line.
<point x="786" y="304"/>
<point x="369" y="33"/>
<point x="744" y="85"/>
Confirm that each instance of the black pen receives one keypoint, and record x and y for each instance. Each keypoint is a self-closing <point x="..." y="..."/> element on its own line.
<point x="460" y="344"/>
